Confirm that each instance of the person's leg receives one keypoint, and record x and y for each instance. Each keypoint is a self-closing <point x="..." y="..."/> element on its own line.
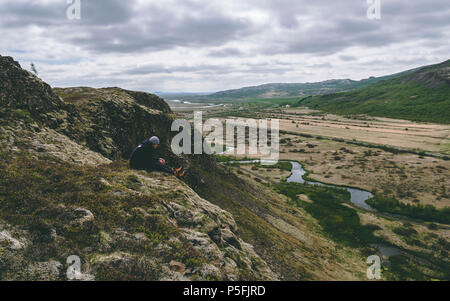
<point x="162" y="167"/>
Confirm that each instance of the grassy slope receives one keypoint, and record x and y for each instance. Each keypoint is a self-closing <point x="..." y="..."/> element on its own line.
<point x="34" y="194"/>
<point x="39" y="194"/>
<point x="251" y="204"/>
<point x="421" y="96"/>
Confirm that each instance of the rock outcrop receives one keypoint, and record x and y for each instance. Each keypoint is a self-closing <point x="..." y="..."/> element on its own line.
<point x="64" y="192"/>
<point x="113" y="121"/>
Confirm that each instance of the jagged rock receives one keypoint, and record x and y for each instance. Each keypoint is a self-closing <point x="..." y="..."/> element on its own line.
<point x="120" y="231"/>
<point x="44" y="271"/>
<point x="211" y="271"/>
<point x="140" y="236"/>
<point x="9" y="241"/>
<point x="203" y="218"/>
<point x="230" y="238"/>
<point x="177" y="266"/>
<point x="20" y="89"/>
<point x="114" y="121"/>
<point x="47" y="142"/>
<point x="86" y="215"/>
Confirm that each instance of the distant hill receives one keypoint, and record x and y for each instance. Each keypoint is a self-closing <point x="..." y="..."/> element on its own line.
<point x="285" y="90"/>
<point x="421" y="95"/>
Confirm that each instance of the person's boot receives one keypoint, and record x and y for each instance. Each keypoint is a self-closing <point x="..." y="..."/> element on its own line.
<point x="178" y="172"/>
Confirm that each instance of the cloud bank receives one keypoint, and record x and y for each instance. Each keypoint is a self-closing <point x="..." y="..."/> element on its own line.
<point x="193" y="45"/>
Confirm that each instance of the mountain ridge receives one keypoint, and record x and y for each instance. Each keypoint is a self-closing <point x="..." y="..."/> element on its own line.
<point x="271" y="90"/>
<point x="422" y="95"/>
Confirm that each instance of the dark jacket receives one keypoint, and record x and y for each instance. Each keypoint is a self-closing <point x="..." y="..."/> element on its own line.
<point x="144" y="157"/>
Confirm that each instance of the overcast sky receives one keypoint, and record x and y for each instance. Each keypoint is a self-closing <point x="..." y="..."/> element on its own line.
<point x="211" y="45"/>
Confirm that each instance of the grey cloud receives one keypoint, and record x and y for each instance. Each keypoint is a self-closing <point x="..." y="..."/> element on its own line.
<point x="117" y="26"/>
<point x="413" y="8"/>
<point x="205" y="69"/>
<point x="93" y="12"/>
<point x="101" y="12"/>
<point x="322" y="65"/>
<point x="328" y="27"/>
<point x="158" y="68"/>
<point x="340" y="34"/>
<point x="154" y="68"/>
<point x="347" y="58"/>
<point x="21" y="14"/>
<point x="225" y="52"/>
<point x="226" y="36"/>
<point x="320" y="27"/>
<point x="164" y="33"/>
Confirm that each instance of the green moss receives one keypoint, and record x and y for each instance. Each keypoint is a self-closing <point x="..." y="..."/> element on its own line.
<point x="6" y="115"/>
<point x="22" y="114"/>
<point x="132" y="182"/>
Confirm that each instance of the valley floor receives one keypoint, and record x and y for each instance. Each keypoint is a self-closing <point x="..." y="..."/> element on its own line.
<point x="397" y="159"/>
<point x="427" y="137"/>
<point x="402" y="159"/>
<point x="410" y="249"/>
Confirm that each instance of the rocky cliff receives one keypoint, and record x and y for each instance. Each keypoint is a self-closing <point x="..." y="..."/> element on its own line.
<point x="64" y="190"/>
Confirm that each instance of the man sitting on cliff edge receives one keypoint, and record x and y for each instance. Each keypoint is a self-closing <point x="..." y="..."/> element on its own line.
<point x="145" y="157"/>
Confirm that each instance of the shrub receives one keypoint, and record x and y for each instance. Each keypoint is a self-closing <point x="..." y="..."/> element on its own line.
<point x="432" y="226"/>
<point x="405" y="231"/>
<point x="426" y="213"/>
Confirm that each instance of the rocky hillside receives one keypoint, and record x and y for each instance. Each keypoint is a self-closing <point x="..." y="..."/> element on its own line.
<point x="61" y="195"/>
<point x="65" y="189"/>
<point x="422" y="95"/>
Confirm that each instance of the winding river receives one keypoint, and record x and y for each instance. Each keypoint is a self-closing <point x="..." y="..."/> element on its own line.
<point x="357" y="196"/>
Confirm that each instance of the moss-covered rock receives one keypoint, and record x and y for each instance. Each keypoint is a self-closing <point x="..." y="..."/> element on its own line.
<point x="62" y="195"/>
